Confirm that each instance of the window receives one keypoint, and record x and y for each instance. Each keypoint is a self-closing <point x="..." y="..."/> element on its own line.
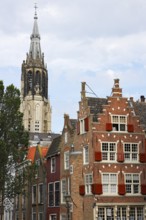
<point x="63" y="217"/>
<point x="121" y="213"/>
<point x="65" y="137"/>
<point x="63" y="190"/>
<point x="51" y="194"/>
<point x="86" y="155"/>
<point x="53" y="217"/>
<point x="131" y="152"/>
<point x="88" y="183"/>
<point x="109" y="181"/>
<point x="136" y="213"/>
<point x="53" y="165"/>
<point x="109" y="151"/>
<point x="82" y="126"/>
<point x="40" y="194"/>
<point x="66" y="160"/>
<point x="40" y="216"/>
<point x="33" y="216"/>
<point x="132" y="183"/>
<point x="119" y="122"/>
<point x="54" y="194"/>
<point x="57" y="193"/>
<point x="34" y="194"/>
<point x="106" y="213"/>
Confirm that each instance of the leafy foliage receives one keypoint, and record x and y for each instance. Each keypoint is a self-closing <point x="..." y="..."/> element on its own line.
<point x="13" y="140"/>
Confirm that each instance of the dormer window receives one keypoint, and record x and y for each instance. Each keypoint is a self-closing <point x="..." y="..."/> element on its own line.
<point x="119" y="122"/>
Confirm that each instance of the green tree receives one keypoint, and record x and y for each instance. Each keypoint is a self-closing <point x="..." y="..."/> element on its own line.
<point x="13" y="141"/>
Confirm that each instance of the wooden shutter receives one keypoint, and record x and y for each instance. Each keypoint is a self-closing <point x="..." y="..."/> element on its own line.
<point x="78" y="127"/>
<point x="121" y="189"/>
<point x="98" y="156"/>
<point x="120" y="157"/>
<point x="109" y="127"/>
<point x="82" y="190"/>
<point x="97" y="188"/>
<point x="143" y="189"/>
<point x="142" y="157"/>
<point x="130" y="128"/>
<point x="86" y="120"/>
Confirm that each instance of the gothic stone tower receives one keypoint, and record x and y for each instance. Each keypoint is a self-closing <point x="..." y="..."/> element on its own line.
<point x="34" y="87"/>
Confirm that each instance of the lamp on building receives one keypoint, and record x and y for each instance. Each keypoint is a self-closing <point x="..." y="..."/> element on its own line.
<point x="68" y="205"/>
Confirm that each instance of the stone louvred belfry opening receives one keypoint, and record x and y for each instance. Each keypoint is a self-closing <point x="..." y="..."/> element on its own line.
<point x="35" y="104"/>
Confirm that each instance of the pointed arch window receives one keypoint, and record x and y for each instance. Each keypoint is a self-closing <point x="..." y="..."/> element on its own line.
<point x="29" y="80"/>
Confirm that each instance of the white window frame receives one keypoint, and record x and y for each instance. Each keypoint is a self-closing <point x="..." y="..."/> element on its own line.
<point x="82" y="126"/>
<point x="40" y="213"/>
<point x="88" y="183"/>
<point x="63" y="190"/>
<point x="63" y="217"/>
<point x="109" y="183"/>
<point x="130" y="155"/>
<point x="66" y="137"/>
<point x="53" y="164"/>
<point x="109" y="151"/>
<point x="66" y="160"/>
<point x="132" y="183"/>
<point x="40" y="197"/>
<point x="34" y="213"/>
<point x="52" y="184"/>
<point x="118" y="123"/>
<point x="86" y="154"/>
<point x="53" y="215"/>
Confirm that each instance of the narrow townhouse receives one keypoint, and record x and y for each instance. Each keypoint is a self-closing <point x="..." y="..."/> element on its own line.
<point x="108" y="162"/>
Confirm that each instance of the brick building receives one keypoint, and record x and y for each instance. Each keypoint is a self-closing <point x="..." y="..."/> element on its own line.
<point x="108" y="158"/>
<point x="53" y="180"/>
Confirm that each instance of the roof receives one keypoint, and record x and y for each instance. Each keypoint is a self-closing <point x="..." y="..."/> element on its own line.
<point x="42" y="136"/>
<point x="140" y="110"/>
<point x="31" y="153"/>
<point x="54" y="147"/>
<point x="96" y="105"/>
<point x="44" y="151"/>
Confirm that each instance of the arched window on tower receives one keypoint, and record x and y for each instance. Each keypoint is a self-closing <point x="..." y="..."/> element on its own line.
<point x="29" y="81"/>
<point x="37" y="78"/>
<point x="43" y="84"/>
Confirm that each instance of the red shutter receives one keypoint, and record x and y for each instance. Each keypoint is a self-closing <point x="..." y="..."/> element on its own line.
<point x="121" y="189"/>
<point x="142" y="157"/>
<point x="97" y="188"/>
<point x="130" y="128"/>
<point x="120" y="157"/>
<point x="82" y="190"/>
<point x="143" y="189"/>
<point x="98" y="156"/>
<point x="86" y="124"/>
<point x="108" y="127"/>
<point x="78" y="127"/>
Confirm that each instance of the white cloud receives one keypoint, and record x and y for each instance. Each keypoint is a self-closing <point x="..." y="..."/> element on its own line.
<point x="93" y="41"/>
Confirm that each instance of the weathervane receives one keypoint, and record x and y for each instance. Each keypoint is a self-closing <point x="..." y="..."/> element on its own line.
<point x="35" y="6"/>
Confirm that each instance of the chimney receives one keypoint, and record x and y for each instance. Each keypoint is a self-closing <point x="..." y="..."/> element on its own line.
<point x="83" y="92"/>
<point x="116" y="90"/>
<point x="142" y="98"/>
<point x="66" y="119"/>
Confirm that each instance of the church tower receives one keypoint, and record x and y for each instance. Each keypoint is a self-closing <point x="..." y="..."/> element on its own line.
<point x="35" y="104"/>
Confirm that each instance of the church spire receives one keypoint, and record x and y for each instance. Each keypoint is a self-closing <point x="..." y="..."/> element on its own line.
<point x="35" y="47"/>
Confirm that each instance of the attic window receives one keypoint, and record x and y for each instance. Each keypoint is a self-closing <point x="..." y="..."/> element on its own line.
<point x="119" y="122"/>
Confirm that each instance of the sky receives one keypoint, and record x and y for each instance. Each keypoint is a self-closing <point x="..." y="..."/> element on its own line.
<point x="92" y="41"/>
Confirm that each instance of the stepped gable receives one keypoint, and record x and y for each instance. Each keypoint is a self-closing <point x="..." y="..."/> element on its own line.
<point x="54" y="147"/>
